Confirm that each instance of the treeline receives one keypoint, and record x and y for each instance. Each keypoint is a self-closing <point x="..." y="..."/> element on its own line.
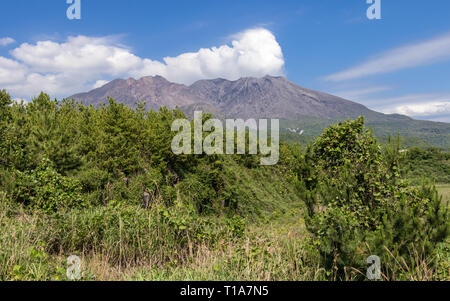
<point x="77" y="179"/>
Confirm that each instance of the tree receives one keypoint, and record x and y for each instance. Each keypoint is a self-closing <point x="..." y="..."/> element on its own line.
<point x="5" y="119"/>
<point x="357" y="203"/>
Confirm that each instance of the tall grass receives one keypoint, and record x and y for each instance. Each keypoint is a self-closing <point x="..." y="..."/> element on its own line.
<point x="123" y="236"/>
<point x="129" y="243"/>
<point x="444" y="190"/>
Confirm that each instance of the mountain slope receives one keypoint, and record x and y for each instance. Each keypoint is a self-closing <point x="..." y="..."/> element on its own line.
<point x="267" y="97"/>
<point x="272" y="97"/>
<point x="155" y="91"/>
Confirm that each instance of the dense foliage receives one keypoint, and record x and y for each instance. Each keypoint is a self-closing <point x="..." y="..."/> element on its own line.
<point x="103" y="183"/>
<point x="62" y="154"/>
<point x="430" y="163"/>
<point x="359" y="205"/>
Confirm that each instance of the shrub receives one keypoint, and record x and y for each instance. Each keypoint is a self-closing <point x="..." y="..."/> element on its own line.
<point x="44" y="188"/>
<point x="358" y="204"/>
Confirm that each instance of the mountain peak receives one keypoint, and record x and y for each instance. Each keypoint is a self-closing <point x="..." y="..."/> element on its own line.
<point x="154" y="78"/>
<point x="247" y="97"/>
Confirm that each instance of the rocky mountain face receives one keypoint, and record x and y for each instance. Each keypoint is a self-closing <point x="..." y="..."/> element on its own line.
<point x="155" y="91"/>
<point x="267" y="97"/>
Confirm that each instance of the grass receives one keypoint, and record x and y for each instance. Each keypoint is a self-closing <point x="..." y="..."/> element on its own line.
<point x="444" y="190"/>
<point x="274" y="248"/>
<point x="269" y="252"/>
<point x="128" y="243"/>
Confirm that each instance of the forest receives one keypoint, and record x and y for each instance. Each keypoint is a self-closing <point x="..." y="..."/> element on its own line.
<point x="102" y="183"/>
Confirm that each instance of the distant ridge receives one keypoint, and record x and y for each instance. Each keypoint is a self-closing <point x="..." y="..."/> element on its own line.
<point x="266" y="97"/>
<point x="274" y="97"/>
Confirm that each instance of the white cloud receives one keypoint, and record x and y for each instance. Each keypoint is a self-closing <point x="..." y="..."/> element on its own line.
<point x="428" y="106"/>
<point x="421" y="109"/>
<point x="75" y="65"/>
<point x="254" y="52"/>
<point x="6" y="41"/>
<point x="11" y="71"/>
<point x="360" y="94"/>
<point x="99" y="83"/>
<point x="420" y="54"/>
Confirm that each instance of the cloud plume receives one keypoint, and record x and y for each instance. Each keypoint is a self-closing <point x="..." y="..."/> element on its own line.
<point x="82" y="62"/>
<point x="414" y="55"/>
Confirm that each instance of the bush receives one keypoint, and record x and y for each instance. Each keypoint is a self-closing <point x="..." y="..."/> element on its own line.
<point x="46" y="189"/>
<point x="358" y="205"/>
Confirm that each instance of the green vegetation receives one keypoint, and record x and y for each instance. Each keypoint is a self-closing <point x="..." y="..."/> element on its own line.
<point x="444" y="190"/>
<point x="428" y="164"/>
<point x="358" y="204"/>
<point x="414" y="133"/>
<point x="103" y="184"/>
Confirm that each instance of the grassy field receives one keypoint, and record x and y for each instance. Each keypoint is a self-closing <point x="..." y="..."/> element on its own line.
<point x="270" y="251"/>
<point x="274" y="248"/>
<point x="444" y="190"/>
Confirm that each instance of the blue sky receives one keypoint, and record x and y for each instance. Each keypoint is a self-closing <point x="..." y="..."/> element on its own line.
<point x="399" y="64"/>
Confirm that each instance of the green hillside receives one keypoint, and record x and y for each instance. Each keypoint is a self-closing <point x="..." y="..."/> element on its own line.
<point x="417" y="133"/>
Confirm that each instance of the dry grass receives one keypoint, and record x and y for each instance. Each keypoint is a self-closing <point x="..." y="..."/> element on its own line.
<point x="444" y="190"/>
<point x="267" y="253"/>
<point x="271" y="250"/>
